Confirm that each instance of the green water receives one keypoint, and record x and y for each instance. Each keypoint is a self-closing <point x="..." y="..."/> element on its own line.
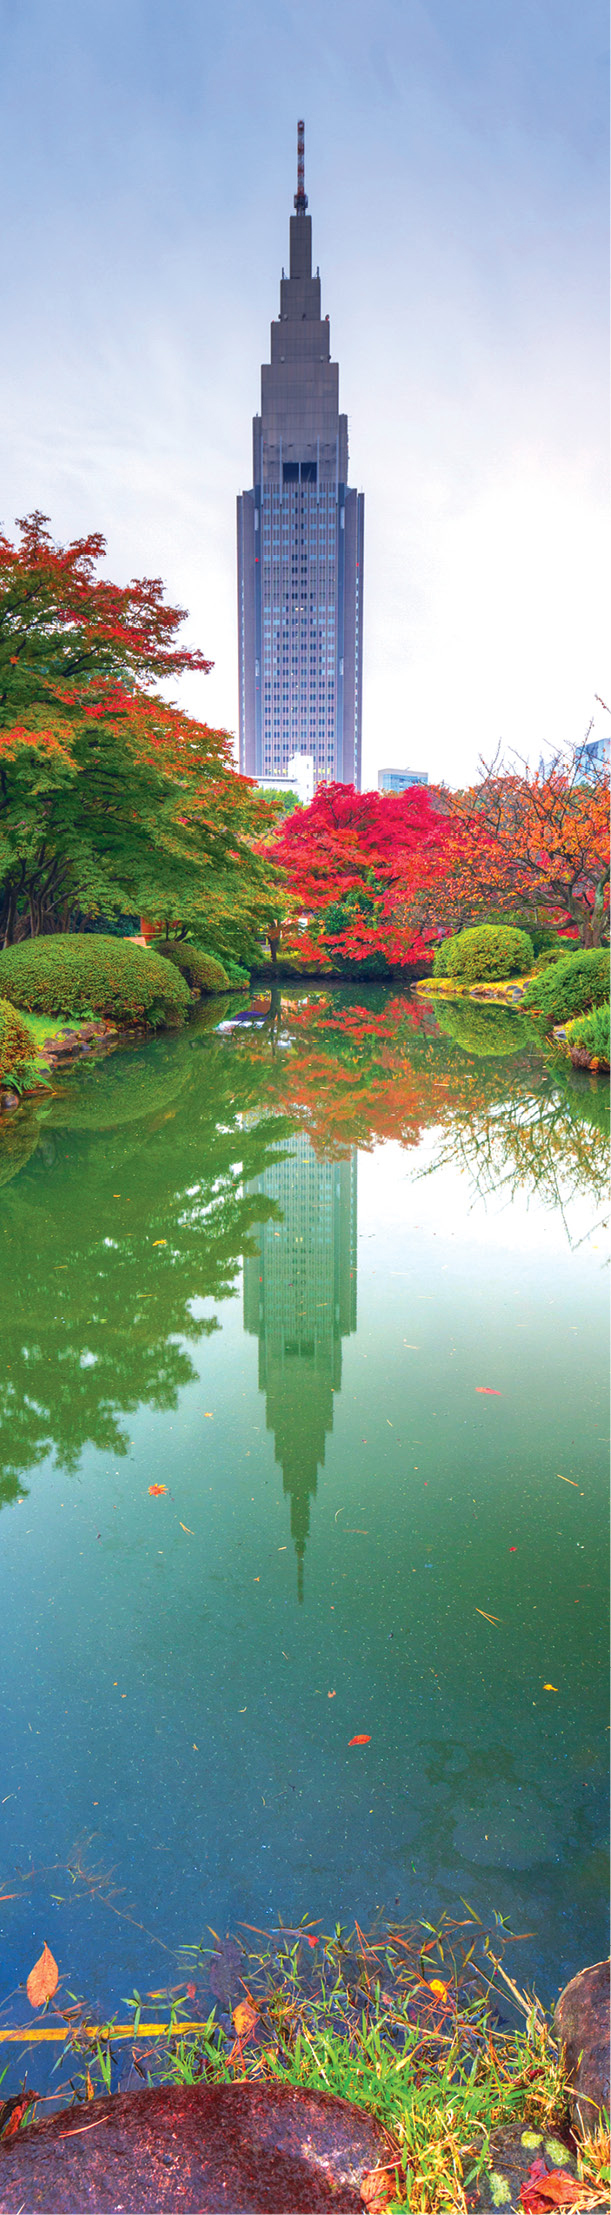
<point x="272" y="1271"/>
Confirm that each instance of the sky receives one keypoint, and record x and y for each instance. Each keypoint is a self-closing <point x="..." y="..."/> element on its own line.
<point x="456" y="168"/>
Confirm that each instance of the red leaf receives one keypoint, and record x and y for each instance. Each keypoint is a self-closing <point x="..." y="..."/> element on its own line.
<point x="492" y="1389"/>
<point x="363" y="1738"/>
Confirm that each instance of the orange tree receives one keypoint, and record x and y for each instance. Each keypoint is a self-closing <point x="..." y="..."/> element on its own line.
<point x="111" y="799"/>
<point x="531" y="844"/>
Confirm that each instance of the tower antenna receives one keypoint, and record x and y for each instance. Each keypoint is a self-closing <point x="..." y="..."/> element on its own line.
<point x="301" y="197"/>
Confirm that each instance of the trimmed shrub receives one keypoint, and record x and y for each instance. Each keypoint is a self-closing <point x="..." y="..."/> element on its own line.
<point x="560" y="952"/>
<point x="440" y="957"/>
<point x="239" y="978"/>
<point x="17" y="1046"/>
<point x="592" y="1032"/>
<point x="570" y="986"/>
<point x="479" y="1030"/>
<point x="86" y="975"/>
<point x="488" y="950"/>
<point x="201" y="970"/>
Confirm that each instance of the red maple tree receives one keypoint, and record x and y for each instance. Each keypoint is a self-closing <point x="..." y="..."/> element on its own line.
<point x="350" y="865"/>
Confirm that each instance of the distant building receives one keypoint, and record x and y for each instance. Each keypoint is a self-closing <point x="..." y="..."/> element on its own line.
<point x="300" y="547"/>
<point x="399" y="780"/>
<point x="299" y="779"/>
<point x="592" y="757"/>
<point x="300" y="1301"/>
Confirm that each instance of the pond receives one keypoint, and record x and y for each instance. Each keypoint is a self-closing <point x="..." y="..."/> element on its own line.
<point x="304" y="1483"/>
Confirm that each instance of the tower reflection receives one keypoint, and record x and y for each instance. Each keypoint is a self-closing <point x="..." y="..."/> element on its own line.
<point x="300" y="1301"/>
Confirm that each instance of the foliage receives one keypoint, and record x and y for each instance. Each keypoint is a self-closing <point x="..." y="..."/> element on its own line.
<point x="81" y="975"/>
<point x="481" y="1030"/>
<point x="239" y="978"/>
<point x="526" y="844"/>
<point x="17" y="1046"/>
<point x="488" y="950"/>
<point x="348" y="863"/>
<point x="569" y="987"/>
<point x="550" y="954"/>
<point x="592" y="1032"/>
<point x="201" y="970"/>
<point x="398" y="2023"/>
<point x="112" y="801"/>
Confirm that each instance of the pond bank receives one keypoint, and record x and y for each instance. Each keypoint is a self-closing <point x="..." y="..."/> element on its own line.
<point x="346" y="2072"/>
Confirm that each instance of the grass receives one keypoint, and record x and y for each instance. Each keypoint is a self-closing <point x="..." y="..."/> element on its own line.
<point x="405" y="2024"/>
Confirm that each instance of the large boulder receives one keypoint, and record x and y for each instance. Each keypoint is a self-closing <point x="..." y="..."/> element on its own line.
<point x="582" y="2022"/>
<point x="237" y="2147"/>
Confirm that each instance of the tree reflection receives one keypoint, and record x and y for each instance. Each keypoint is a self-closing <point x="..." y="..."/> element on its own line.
<point x="128" y="1199"/>
<point x="130" y="1210"/>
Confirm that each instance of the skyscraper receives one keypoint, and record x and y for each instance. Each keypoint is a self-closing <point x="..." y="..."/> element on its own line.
<point x="300" y="547"/>
<point x="300" y="1301"/>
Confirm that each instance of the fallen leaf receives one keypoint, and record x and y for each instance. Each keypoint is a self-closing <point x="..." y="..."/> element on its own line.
<point x="440" y="1990"/>
<point x="492" y="1389"/>
<point x="89" y="2085"/>
<point x="208" y="1415"/>
<point x="312" y="1941"/>
<point x="487" y="1618"/>
<point x="567" y="1480"/>
<point x="157" y="1489"/>
<point x="12" y="2112"/>
<point x="557" y="2189"/>
<point x="185" y="1527"/>
<point x="330" y="1696"/>
<point x="377" y="2188"/>
<point x="363" y="1738"/>
<point x="513" y="1549"/>
<point x="43" y="1978"/>
<point x="191" y="1991"/>
<point x="160" y="1241"/>
<point x="551" y="1688"/>
<point x="244" y="2018"/>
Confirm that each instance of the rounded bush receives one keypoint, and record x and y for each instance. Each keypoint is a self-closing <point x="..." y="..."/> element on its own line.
<point x="440" y="957"/>
<point x="550" y="954"/>
<point x="82" y="975"/>
<point x="570" y="987"/>
<point x="201" y="970"/>
<point x="17" y="1045"/>
<point x="488" y="950"/>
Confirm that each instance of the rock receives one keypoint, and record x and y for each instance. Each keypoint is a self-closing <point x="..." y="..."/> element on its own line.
<point x="10" y="1100"/>
<point x="516" y="2150"/>
<point x="243" y="2148"/>
<point x="582" y="2022"/>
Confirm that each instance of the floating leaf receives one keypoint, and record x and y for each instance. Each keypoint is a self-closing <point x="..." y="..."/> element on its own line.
<point x="160" y="1241"/>
<point x="440" y="1990"/>
<point x="551" y="1688"/>
<point x="43" y="1978"/>
<point x="491" y="1389"/>
<point x="156" y="1490"/>
<point x="363" y="1738"/>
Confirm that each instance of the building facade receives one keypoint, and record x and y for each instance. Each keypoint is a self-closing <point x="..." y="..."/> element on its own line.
<point x="399" y="780"/>
<point x="300" y="547"/>
<point x="300" y="1302"/>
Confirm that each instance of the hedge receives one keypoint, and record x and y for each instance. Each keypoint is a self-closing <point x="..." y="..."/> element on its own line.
<point x="85" y="975"/>
<point x="569" y="987"/>
<point x="17" y="1045"/>
<point x="487" y="950"/>
<point x="200" y="969"/>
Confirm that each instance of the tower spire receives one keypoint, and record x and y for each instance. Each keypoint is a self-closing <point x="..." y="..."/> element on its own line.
<point x="301" y="198"/>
